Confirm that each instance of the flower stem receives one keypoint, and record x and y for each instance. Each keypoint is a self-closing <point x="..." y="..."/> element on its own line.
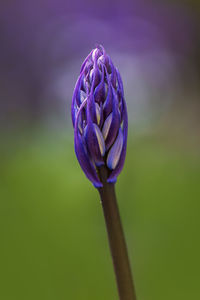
<point x="116" y="239"/>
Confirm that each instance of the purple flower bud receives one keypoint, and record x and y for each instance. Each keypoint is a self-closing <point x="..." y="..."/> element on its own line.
<point x="99" y="117"/>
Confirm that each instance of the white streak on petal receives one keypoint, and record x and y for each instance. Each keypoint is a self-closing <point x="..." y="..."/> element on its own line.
<point x="115" y="151"/>
<point x="91" y="75"/>
<point x="80" y="124"/>
<point x="106" y="126"/>
<point x="101" y="58"/>
<point x="98" y="112"/>
<point x="80" y="128"/>
<point x="100" y="139"/>
<point x="94" y="53"/>
<point x="82" y="95"/>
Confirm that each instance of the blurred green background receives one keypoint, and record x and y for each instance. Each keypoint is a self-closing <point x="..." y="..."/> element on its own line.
<point x="53" y="238"/>
<point x="53" y="242"/>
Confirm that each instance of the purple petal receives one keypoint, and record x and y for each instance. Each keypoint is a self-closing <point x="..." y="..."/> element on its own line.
<point x="98" y="113"/>
<point x="95" y="54"/>
<point x="95" y="143"/>
<point x="85" y="162"/>
<point x="107" y="107"/>
<point x="91" y="109"/>
<point x="99" y="93"/>
<point x="73" y="113"/>
<point x="77" y="90"/>
<point x="115" y="122"/>
<point x="79" y="119"/>
<point x="100" y="139"/>
<point x="101" y="115"/>
<point x="106" y="126"/>
<point x="120" y="83"/>
<point x="82" y="154"/>
<point x="115" y="151"/>
<point x="74" y="99"/>
<point x="96" y="76"/>
<point x="117" y="170"/>
<point x="85" y="61"/>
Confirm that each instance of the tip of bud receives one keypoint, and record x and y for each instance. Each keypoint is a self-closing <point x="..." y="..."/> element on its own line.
<point x="97" y="53"/>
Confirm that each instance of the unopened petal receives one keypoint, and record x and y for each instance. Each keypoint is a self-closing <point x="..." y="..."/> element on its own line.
<point x="106" y="126"/>
<point x="100" y="139"/>
<point x="82" y="95"/>
<point x="85" y="162"/>
<point x="115" y="151"/>
<point x="113" y="175"/>
<point x="98" y="113"/>
<point x="95" y="54"/>
<point x="95" y="143"/>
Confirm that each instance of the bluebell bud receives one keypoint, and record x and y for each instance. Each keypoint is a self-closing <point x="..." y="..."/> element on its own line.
<point x="99" y="117"/>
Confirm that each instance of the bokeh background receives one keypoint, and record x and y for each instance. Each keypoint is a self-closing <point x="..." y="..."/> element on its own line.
<point x="53" y="243"/>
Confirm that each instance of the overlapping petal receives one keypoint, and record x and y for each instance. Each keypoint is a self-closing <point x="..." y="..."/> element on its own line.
<point x="99" y="117"/>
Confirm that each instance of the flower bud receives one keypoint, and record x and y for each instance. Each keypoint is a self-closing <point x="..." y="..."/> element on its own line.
<point x="99" y="117"/>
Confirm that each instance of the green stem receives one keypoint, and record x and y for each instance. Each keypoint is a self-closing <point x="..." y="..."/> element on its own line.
<point x="116" y="239"/>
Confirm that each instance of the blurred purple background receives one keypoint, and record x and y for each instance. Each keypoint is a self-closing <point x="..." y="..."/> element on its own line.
<point x="155" y="46"/>
<point x="53" y="241"/>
